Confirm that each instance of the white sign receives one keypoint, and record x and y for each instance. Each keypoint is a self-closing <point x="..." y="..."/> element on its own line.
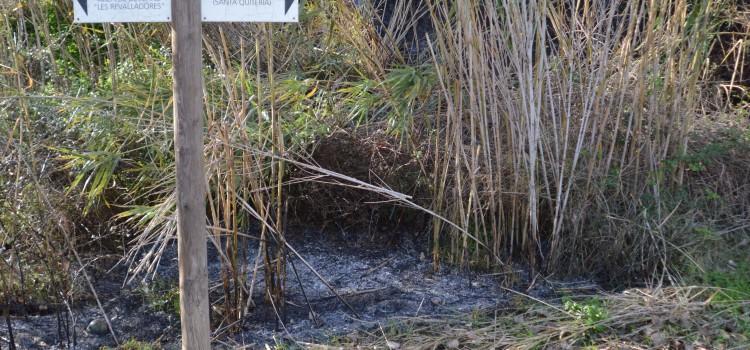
<point x="250" y="10"/>
<point x="100" y="11"/>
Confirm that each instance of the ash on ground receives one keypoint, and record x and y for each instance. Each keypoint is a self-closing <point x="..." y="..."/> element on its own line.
<point x="380" y="282"/>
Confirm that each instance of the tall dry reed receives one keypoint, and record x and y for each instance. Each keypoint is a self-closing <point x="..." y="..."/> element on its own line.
<point x="559" y="117"/>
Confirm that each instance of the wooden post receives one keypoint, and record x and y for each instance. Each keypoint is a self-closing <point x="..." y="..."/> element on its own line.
<point x="191" y="192"/>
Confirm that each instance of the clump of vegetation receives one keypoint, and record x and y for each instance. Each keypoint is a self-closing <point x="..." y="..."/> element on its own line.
<point x="162" y="296"/>
<point x="590" y="313"/>
<point x="654" y="318"/>
<point x="606" y="139"/>
<point x="734" y="284"/>
<point x="134" y="344"/>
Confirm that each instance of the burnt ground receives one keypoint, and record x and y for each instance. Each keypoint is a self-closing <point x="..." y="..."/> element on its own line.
<point x="380" y="281"/>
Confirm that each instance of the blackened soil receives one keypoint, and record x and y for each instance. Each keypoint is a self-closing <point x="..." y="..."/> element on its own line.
<point x="380" y="281"/>
<point x="64" y="326"/>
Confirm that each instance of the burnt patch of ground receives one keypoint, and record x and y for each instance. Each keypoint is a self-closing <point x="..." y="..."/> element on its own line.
<point x="380" y="281"/>
<point x="65" y="326"/>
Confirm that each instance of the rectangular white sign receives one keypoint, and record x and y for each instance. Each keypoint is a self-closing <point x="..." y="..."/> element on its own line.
<point x="102" y="11"/>
<point x="250" y="10"/>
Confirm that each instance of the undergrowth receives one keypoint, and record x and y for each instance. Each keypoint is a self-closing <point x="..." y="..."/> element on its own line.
<point x="603" y="139"/>
<point x="134" y="344"/>
<point x="665" y="318"/>
<point x="161" y="295"/>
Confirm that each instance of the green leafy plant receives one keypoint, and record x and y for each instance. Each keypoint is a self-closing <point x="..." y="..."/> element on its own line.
<point x="590" y="313"/>
<point x="94" y="172"/>
<point x="162" y="296"/>
<point x="407" y="88"/>
<point x="734" y="283"/>
<point x="733" y="292"/>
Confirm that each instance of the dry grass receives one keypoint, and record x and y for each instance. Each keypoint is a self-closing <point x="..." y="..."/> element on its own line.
<point x="667" y="318"/>
<point x="559" y="119"/>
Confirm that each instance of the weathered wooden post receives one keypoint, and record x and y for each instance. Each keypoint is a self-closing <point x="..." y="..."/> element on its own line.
<point x="191" y="192"/>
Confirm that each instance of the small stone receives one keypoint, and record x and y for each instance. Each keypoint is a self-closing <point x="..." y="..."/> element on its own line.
<point x="732" y="264"/>
<point x="452" y="344"/>
<point x="98" y="326"/>
<point x="392" y="345"/>
<point x="475" y="284"/>
<point x="422" y="257"/>
<point x="436" y="301"/>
